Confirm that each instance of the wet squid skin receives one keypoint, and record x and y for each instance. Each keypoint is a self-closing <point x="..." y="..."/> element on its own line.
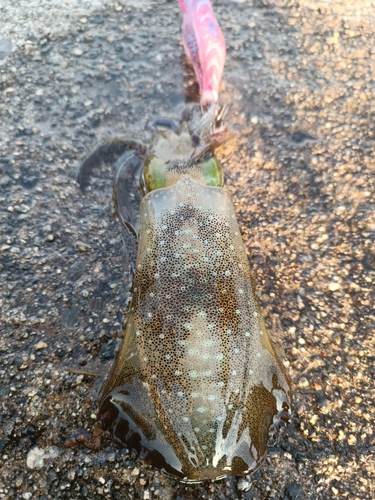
<point x="197" y="388"/>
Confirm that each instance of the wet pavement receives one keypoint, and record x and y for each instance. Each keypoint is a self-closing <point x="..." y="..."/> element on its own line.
<point x="299" y="83"/>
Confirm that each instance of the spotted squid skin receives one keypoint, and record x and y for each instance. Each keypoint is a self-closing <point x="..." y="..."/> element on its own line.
<point x="197" y="388"/>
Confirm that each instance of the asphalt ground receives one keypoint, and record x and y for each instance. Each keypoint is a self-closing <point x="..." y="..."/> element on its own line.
<point x="299" y="84"/>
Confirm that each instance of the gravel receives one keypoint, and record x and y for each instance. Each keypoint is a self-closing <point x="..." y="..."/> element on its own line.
<point x="299" y="82"/>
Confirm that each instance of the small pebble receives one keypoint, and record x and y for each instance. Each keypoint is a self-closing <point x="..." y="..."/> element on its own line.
<point x="6" y="47"/>
<point x="71" y="475"/>
<point x="244" y="483"/>
<point x="293" y="491"/>
<point x="334" y="286"/>
<point x="352" y="439"/>
<point x="22" y="208"/>
<point x="79" y="246"/>
<point x="314" y="419"/>
<point x="36" y="456"/>
<point x="41" y="345"/>
<point x="4" y="180"/>
<point x="323" y="405"/>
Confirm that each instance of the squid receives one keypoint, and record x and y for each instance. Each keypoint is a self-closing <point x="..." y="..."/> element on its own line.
<point x="197" y="388"/>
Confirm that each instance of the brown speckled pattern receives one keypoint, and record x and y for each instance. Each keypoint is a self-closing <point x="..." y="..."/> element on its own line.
<point x="197" y="387"/>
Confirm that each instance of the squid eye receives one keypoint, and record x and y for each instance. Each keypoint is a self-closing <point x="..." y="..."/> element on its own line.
<point x="212" y="172"/>
<point x="155" y="173"/>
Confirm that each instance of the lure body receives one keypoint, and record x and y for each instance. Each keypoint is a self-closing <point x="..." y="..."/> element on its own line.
<point x="204" y="45"/>
<point x="197" y="388"/>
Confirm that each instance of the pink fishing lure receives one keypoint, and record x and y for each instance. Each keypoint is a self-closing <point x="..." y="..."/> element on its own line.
<point x="204" y="45"/>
